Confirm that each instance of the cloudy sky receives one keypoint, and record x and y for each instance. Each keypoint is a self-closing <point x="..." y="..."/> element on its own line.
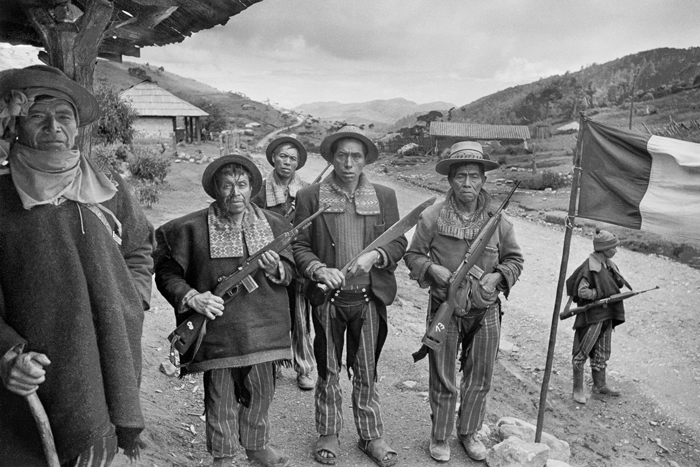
<point x="301" y="51"/>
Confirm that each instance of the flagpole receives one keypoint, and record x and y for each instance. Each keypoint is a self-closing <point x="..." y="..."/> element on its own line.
<point x="568" y="228"/>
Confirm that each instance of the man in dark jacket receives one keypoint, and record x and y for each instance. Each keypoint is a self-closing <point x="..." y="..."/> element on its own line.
<point x="75" y="250"/>
<point x="286" y="155"/>
<point x="359" y="211"/>
<point x="245" y="336"/>
<point x="596" y="278"/>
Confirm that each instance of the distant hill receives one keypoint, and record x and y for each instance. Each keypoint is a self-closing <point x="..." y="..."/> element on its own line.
<point x="596" y="88"/>
<point x="385" y="111"/>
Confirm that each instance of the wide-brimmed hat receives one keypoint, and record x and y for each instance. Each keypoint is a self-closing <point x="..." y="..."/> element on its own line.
<point x="286" y="139"/>
<point x="208" y="175"/>
<point x="349" y="131"/>
<point x="465" y="152"/>
<point x="43" y="76"/>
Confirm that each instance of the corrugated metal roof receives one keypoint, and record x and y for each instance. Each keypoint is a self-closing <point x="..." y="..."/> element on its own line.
<point x="150" y="100"/>
<point x="477" y="131"/>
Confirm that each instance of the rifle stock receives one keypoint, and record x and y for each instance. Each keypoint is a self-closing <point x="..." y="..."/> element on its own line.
<point x="602" y="302"/>
<point x="433" y="337"/>
<point x="191" y="331"/>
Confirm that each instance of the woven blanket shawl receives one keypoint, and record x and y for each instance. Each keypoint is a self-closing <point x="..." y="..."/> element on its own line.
<point x="366" y="201"/>
<point x="452" y="223"/>
<point x="226" y="239"/>
<point x="276" y="193"/>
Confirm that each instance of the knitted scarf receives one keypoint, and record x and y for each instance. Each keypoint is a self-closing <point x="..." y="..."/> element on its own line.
<point x="453" y="223"/>
<point x="276" y="193"/>
<point x="365" y="197"/>
<point x="226" y="238"/>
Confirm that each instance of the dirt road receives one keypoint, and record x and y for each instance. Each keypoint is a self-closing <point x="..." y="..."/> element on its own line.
<point x="655" y="362"/>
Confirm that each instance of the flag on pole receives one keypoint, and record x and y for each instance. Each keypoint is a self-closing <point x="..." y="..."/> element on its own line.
<point x="640" y="181"/>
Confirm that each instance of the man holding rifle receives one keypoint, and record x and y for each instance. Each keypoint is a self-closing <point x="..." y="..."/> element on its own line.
<point x="286" y="155"/>
<point x="595" y="279"/>
<point x="358" y="213"/>
<point x="442" y="239"/>
<point x="245" y="336"/>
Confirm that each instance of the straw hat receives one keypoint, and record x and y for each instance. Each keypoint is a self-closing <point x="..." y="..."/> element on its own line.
<point x="286" y="139"/>
<point x="349" y="131"/>
<point x="42" y="76"/>
<point x="212" y="168"/>
<point x="465" y="152"/>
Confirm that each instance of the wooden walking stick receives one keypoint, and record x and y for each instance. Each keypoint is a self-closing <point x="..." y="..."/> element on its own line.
<point x="42" y="423"/>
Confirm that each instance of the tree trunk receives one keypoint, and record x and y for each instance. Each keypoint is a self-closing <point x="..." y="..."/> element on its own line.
<point x="73" y="47"/>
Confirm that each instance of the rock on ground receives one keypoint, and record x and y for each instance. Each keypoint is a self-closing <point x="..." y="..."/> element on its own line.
<point x="509" y="426"/>
<point x="514" y="452"/>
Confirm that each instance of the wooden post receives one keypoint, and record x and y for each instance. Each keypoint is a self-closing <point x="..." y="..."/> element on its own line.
<point x="569" y="228"/>
<point x="73" y="47"/>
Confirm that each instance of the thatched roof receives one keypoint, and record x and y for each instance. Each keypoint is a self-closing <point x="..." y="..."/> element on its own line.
<point x="134" y="23"/>
<point x="476" y="131"/>
<point x="150" y="100"/>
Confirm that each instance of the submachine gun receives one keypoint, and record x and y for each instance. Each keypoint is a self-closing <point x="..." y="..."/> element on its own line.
<point x="458" y="291"/>
<point x="191" y="331"/>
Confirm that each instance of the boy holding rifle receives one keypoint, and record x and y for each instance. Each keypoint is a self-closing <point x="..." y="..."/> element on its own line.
<point x="443" y="237"/>
<point x="246" y="335"/>
<point x="596" y="278"/>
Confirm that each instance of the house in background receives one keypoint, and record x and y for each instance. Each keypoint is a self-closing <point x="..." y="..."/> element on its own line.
<point x="163" y="117"/>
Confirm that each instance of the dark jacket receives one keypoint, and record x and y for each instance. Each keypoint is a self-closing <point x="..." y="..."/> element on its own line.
<point x="68" y="290"/>
<point x="607" y="282"/>
<point x="317" y="243"/>
<point x="255" y="326"/>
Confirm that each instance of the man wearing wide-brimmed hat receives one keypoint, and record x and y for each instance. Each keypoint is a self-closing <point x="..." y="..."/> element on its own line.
<point x="598" y="277"/>
<point x="286" y="155"/>
<point x="74" y="282"/>
<point x="438" y="247"/>
<point x="247" y="336"/>
<point x="359" y="211"/>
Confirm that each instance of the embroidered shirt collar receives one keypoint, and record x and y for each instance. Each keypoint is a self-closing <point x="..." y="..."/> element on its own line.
<point x="365" y="197"/>
<point x="226" y="239"/>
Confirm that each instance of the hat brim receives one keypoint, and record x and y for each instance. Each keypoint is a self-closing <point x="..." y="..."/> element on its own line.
<point x="443" y="166"/>
<point x="42" y="77"/>
<point x="286" y="139"/>
<point x="209" y="172"/>
<point x="373" y="152"/>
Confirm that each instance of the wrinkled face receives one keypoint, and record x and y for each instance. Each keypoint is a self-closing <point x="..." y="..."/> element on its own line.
<point x="286" y="159"/>
<point x="50" y="125"/>
<point x="233" y="192"/>
<point x="467" y="182"/>
<point x="610" y="252"/>
<point x="349" y="160"/>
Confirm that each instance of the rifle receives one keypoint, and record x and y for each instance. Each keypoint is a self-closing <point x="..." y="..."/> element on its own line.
<point x="192" y="331"/>
<point x="456" y="298"/>
<point x="320" y="176"/>
<point x="618" y="297"/>
<point x="318" y="293"/>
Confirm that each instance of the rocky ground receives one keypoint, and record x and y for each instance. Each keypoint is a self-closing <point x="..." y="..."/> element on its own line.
<point x="655" y="362"/>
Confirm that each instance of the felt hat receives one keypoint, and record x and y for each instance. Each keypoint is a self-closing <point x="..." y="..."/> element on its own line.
<point x="465" y="152"/>
<point x="349" y="131"/>
<point x="43" y="76"/>
<point x="211" y="169"/>
<point x="286" y="139"/>
<point x="604" y="240"/>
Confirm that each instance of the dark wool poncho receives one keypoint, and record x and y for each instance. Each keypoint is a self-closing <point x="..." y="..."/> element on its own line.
<point x="255" y="326"/>
<point x="68" y="290"/>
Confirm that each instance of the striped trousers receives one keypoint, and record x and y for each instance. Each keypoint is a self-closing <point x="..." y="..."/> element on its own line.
<point x="365" y="399"/>
<point x="223" y="412"/>
<point x="594" y="341"/>
<point x="476" y="377"/>
<point x="302" y="348"/>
